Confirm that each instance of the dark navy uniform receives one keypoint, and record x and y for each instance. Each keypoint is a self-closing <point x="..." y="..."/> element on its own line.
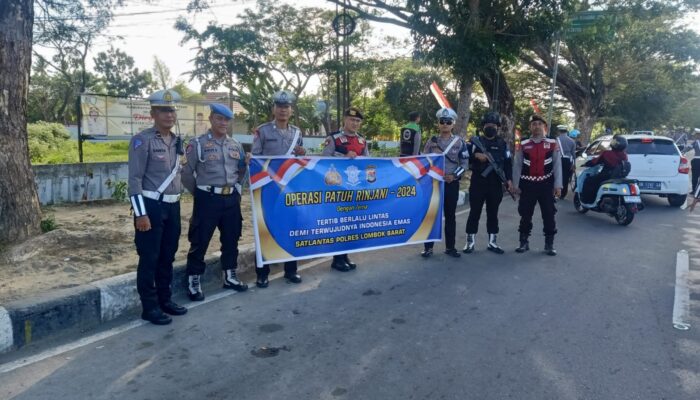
<point x="214" y="172"/>
<point x="487" y="188"/>
<point x="154" y="191"/>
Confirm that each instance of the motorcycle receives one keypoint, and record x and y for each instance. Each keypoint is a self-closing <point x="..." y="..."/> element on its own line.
<point x="619" y="198"/>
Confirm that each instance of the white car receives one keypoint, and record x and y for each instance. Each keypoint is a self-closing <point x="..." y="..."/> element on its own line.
<point x="656" y="163"/>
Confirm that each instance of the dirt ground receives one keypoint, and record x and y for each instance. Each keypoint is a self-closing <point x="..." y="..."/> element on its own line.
<point x="91" y="242"/>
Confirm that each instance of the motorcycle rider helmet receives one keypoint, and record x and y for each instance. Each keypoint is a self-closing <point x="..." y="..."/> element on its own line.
<point x="491" y="117"/>
<point x="574" y="133"/>
<point x="618" y="143"/>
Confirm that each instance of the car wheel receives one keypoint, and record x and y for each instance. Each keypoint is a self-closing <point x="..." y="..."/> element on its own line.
<point x="676" y="200"/>
<point x="577" y="204"/>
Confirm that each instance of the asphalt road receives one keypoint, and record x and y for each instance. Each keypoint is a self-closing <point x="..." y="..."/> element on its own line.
<point x="592" y="323"/>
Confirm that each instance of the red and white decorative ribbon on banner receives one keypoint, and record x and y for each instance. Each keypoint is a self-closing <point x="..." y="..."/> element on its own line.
<point x="418" y="168"/>
<point x="284" y="173"/>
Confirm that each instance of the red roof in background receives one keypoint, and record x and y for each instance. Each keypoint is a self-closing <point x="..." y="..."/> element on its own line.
<point x="222" y="97"/>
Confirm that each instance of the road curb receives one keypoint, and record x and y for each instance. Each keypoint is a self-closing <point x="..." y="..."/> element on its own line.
<point x="65" y="311"/>
<point x="6" y="335"/>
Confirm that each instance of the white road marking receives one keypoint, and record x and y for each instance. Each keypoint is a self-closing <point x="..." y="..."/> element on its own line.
<point x="681" y="301"/>
<point x="11" y="366"/>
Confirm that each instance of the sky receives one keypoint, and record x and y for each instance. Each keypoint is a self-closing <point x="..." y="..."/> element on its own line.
<point x="148" y="35"/>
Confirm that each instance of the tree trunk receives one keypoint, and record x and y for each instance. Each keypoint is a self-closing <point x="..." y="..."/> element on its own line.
<point x="584" y="123"/>
<point x="504" y="103"/>
<point x="20" y="215"/>
<point x="463" y="107"/>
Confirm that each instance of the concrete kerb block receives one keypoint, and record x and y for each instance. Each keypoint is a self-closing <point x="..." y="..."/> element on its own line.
<point x="45" y="315"/>
<point x="87" y="306"/>
<point x="6" y="334"/>
<point x="118" y="295"/>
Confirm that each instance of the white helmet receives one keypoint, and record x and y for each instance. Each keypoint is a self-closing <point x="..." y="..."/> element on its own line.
<point x="446" y="113"/>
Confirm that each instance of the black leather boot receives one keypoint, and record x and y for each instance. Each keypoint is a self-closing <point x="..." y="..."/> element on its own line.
<point x="549" y="245"/>
<point x="194" y="288"/>
<point x="231" y="281"/>
<point x="493" y="245"/>
<point x="524" y="245"/>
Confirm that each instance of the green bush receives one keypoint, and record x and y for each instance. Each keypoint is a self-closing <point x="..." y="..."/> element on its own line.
<point x="48" y="224"/>
<point x="49" y="143"/>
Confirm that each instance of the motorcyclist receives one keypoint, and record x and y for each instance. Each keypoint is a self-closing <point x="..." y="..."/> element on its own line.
<point x="574" y="134"/>
<point x="615" y="165"/>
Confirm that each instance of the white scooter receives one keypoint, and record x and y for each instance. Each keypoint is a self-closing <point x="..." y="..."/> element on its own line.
<point x="619" y="198"/>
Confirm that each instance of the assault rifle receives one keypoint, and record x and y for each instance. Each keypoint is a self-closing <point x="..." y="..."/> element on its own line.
<point x="492" y="165"/>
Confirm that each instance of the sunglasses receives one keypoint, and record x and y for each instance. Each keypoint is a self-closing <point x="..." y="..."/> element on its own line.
<point x="446" y="121"/>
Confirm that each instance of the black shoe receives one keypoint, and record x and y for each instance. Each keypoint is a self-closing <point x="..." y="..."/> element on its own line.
<point x="172" y="308"/>
<point x="262" y="283"/>
<point x="292" y="278"/>
<point x="156" y="316"/>
<point x="524" y="246"/>
<point x="340" y="265"/>
<point x="351" y="264"/>
<point x="453" y="253"/>
<point x="231" y="281"/>
<point x="194" y="288"/>
<point x="426" y="253"/>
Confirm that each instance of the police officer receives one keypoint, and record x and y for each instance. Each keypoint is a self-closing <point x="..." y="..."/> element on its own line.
<point x="568" y="156"/>
<point x="537" y="177"/>
<point x="154" y="191"/>
<point x="411" y="135"/>
<point x="276" y="138"/>
<point x="213" y="173"/>
<point x="486" y="186"/>
<point x="346" y="143"/>
<point x="456" y="159"/>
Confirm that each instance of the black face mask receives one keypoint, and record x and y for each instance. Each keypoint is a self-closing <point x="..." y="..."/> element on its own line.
<point x="490" y="132"/>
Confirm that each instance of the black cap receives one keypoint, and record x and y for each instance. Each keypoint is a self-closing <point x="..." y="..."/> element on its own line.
<point x="537" y="117"/>
<point x="413" y="116"/>
<point x="353" y="112"/>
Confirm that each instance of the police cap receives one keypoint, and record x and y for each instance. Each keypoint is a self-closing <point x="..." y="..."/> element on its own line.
<point x="353" y="112"/>
<point x="446" y="113"/>
<point x="283" y="98"/>
<point x="217" y="108"/>
<point x="562" y="128"/>
<point x="164" y="98"/>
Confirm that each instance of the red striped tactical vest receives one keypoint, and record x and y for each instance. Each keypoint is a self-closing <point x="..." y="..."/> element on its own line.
<point x="346" y="143"/>
<point x="538" y="160"/>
